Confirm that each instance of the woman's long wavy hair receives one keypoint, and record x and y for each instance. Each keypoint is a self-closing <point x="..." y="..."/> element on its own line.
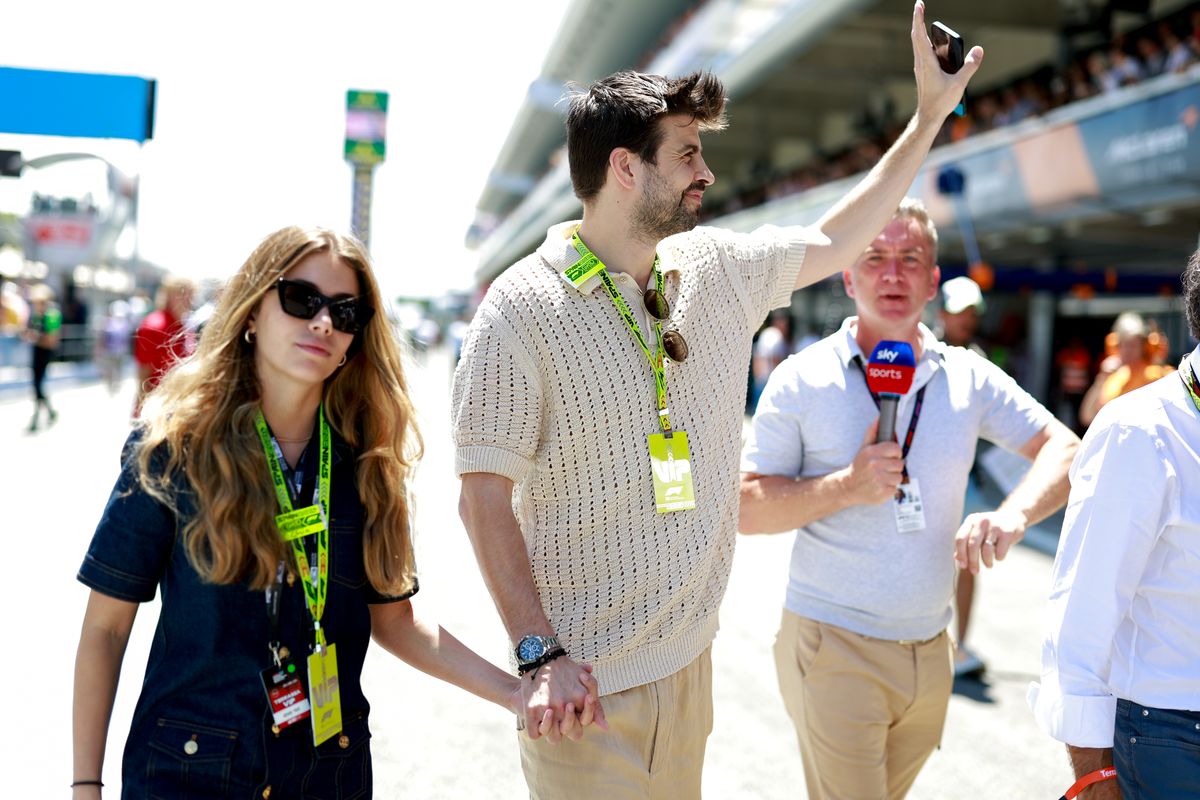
<point x="202" y="418"/>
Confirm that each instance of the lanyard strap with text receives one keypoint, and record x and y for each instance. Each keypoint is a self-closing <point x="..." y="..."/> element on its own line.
<point x="316" y="587"/>
<point x="1188" y="376"/>
<point x="912" y="423"/>
<point x="1104" y="774"/>
<point x="591" y="264"/>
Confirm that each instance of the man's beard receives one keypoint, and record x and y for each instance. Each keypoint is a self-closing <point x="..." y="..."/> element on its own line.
<point x="658" y="215"/>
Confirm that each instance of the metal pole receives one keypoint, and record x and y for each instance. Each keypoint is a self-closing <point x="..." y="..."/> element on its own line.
<point x="360" y="221"/>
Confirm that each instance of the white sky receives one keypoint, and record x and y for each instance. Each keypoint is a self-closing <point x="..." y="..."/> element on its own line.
<point x="251" y="118"/>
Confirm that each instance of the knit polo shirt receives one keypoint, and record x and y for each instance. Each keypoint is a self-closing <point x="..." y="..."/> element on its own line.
<point x="554" y="393"/>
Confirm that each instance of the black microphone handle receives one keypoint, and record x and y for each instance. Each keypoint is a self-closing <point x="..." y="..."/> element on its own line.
<point x="887" y="418"/>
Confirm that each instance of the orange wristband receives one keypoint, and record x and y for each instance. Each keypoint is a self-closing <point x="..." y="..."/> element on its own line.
<point x="1105" y="774"/>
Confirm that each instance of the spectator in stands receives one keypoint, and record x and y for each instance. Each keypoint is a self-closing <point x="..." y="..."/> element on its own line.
<point x="1014" y="107"/>
<point x="1128" y="365"/>
<point x="42" y="332"/>
<point x="162" y="338"/>
<point x="1180" y="55"/>
<point x="1102" y="78"/>
<point x="1124" y="68"/>
<point x="1193" y="31"/>
<point x="1033" y="97"/>
<point x="871" y="572"/>
<point x="1119" y="681"/>
<point x="1079" y="84"/>
<point x="1152" y="56"/>
<point x="991" y="110"/>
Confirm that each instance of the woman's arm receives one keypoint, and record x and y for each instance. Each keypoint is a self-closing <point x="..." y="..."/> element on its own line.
<point x="106" y="626"/>
<point x="433" y="650"/>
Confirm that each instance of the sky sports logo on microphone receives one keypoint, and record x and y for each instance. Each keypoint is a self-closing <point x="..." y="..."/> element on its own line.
<point x="891" y="368"/>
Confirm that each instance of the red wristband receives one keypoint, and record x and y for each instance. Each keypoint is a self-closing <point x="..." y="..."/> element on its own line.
<point x="1105" y="774"/>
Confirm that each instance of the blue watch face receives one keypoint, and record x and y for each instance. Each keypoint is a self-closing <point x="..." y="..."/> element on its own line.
<point x="531" y="648"/>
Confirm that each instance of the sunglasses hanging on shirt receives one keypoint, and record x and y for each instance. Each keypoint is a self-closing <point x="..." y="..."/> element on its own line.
<point x="660" y="309"/>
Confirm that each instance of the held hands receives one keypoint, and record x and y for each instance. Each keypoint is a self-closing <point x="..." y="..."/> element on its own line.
<point x="937" y="93"/>
<point x="987" y="537"/>
<point x="559" y="699"/>
<point x="876" y="471"/>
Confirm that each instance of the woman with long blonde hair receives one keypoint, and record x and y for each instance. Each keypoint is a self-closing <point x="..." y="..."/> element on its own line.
<point x="264" y="494"/>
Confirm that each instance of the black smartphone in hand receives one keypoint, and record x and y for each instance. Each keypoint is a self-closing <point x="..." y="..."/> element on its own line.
<point x="948" y="47"/>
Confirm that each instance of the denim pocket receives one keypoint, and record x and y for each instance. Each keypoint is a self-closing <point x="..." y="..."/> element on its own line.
<point x="188" y="760"/>
<point x="342" y="768"/>
<point x="1164" y="727"/>
<point x="1156" y="751"/>
<point x="345" y="551"/>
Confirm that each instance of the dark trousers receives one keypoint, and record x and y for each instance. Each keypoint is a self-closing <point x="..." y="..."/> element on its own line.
<point x="41" y="360"/>
<point x="1156" y="752"/>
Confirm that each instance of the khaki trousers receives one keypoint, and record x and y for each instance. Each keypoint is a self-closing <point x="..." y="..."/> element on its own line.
<point x="868" y="712"/>
<point x="654" y="747"/>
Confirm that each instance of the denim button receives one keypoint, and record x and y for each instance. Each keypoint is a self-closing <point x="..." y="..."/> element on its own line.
<point x="343" y="741"/>
<point x="266" y="793"/>
<point x="190" y="747"/>
<point x="1133" y="740"/>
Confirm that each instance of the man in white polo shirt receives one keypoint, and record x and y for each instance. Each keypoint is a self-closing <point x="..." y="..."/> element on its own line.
<point x="1120" y="683"/>
<point x="599" y="479"/>
<point x="863" y="656"/>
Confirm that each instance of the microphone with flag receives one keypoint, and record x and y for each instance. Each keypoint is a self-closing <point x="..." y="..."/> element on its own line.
<point x="890" y="375"/>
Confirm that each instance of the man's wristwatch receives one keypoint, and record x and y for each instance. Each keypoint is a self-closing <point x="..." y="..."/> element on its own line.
<point x="534" y="651"/>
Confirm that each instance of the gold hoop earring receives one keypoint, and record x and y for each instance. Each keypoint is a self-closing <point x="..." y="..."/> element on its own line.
<point x="248" y="336"/>
<point x="342" y="363"/>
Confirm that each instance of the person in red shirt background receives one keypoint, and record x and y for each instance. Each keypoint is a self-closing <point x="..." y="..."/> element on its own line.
<point x="163" y="337"/>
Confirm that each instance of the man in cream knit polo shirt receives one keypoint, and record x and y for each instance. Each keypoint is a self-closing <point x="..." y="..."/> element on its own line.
<point x="597" y="416"/>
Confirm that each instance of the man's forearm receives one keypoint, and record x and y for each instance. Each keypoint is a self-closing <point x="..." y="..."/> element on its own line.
<point x="485" y="506"/>
<point x="776" y="503"/>
<point x="1089" y="759"/>
<point x="858" y="217"/>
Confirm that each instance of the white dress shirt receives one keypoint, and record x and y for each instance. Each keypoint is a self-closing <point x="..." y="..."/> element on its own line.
<point x="1124" y="610"/>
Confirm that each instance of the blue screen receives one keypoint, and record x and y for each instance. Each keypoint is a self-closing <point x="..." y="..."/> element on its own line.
<point x="76" y="104"/>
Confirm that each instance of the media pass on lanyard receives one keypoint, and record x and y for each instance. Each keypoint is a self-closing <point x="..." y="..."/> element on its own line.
<point x="910" y="511"/>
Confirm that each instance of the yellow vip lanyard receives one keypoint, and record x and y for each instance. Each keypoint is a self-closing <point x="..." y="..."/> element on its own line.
<point x="589" y="265"/>
<point x="294" y="525"/>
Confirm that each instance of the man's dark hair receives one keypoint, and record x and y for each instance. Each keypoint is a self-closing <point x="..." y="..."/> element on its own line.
<point x="623" y="110"/>
<point x="1191" y="293"/>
